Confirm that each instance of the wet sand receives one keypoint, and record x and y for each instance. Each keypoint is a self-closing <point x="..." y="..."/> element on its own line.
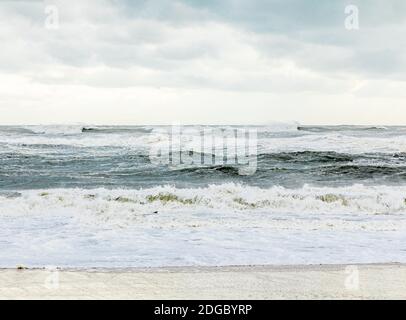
<point x="375" y="281"/>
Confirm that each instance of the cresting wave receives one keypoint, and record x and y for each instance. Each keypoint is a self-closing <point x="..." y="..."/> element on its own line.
<point x="333" y="143"/>
<point x="55" y="129"/>
<point x="276" y="127"/>
<point x="86" y="128"/>
<point x="271" y="127"/>
<point x="230" y="197"/>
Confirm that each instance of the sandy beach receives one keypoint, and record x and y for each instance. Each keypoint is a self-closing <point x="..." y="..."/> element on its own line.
<point x="376" y="281"/>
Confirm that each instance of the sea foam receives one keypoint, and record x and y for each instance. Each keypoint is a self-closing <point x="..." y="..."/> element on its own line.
<point x="124" y="207"/>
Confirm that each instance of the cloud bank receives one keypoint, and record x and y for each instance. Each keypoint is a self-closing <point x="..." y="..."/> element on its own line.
<point x="232" y="61"/>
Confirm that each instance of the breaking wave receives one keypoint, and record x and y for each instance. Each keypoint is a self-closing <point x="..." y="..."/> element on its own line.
<point x="230" y="197"/>
<point x="55" y="129"/>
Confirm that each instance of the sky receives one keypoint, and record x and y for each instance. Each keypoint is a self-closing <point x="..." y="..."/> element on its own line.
<point x="205" y="62"/>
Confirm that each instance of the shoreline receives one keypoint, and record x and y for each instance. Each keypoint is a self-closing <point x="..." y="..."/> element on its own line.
<point x="338" y="281"/>
<point x="209" y="268"/>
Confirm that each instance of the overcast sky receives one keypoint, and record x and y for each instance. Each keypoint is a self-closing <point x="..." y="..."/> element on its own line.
<point x="208" y="61"/>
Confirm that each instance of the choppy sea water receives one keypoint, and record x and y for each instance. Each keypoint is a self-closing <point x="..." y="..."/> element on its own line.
<point x="90" y="196"/>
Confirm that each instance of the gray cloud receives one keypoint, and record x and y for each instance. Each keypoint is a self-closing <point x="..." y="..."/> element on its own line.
<point x="226" y="45"/>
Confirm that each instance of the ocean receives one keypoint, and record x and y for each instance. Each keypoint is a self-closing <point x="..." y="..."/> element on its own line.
<point x="97" y="196"/>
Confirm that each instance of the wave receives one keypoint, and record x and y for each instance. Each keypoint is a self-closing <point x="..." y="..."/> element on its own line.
<point x="308" y="156"/>
<point x="335" y="142"/>
<point x="130" y="203"/>
<point x="341" y="128"/>
<point x="274" y="127"/>
<point x="279" y="139"/>
<point x="115" y="140"/>
<point x="280" y="127"/>
<point x="63" y="130"/>
<point x="364" y="171"/>
<point x="55" y="129"/>
<point x="228" y="224"/>
<point x="117" y="129"/>
<point x="80" y="128"/>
